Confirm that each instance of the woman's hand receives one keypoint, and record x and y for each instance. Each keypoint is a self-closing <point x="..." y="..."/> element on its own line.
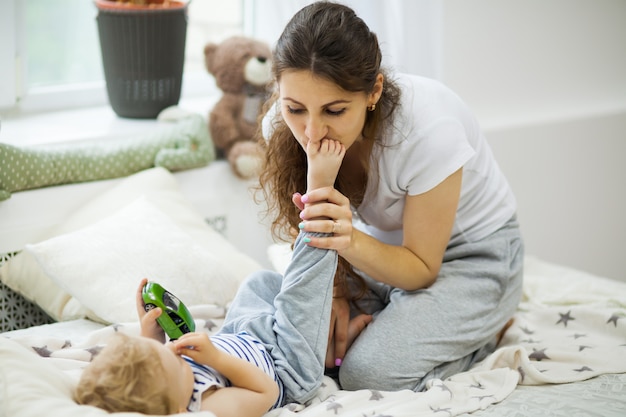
<point x="343" y="331"/>
<point x="338" y="332"/>
<point x="326" y="210"/>
<point x="147" y="320"/>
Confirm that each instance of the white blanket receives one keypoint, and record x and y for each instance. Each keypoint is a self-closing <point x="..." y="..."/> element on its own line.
<point x="571" y="326"/>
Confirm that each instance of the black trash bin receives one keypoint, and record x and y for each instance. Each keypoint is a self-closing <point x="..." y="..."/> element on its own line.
<point x="143" y="52"/>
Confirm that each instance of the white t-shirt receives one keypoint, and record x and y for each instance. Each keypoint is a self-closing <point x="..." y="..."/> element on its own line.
<point x="433" y="135"/>
<point x="240" y="345"/>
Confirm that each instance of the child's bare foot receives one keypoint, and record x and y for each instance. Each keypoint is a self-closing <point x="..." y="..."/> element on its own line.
<point x="324" y="160"/>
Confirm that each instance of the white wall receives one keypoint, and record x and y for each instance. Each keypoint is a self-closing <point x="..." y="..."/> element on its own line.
<point x="547" y="80"/>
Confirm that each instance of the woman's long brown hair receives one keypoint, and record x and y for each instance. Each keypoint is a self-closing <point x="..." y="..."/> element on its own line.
<point x="332" y="42"/>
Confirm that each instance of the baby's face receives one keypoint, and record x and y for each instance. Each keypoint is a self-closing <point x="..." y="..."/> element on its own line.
<point x="178" y="376"/>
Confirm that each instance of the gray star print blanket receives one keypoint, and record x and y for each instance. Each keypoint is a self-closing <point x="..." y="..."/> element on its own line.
<point x="571" y="326"/>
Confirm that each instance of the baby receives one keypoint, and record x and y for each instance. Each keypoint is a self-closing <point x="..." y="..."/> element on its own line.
<point x="270" y="350"/>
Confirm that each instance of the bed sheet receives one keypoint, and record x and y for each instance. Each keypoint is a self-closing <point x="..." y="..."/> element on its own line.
<point x="565" y="354"/>
<point x="602" y="396"/>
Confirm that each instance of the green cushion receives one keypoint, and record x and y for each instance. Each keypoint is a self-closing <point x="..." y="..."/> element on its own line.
<point x="184" y="145"/>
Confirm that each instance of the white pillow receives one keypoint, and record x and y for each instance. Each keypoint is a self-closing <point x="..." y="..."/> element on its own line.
<point x="102" y="264"/>
<point x="24" y="274"/>
<point x="279" y="255"/>
<point x="34" y="386"/>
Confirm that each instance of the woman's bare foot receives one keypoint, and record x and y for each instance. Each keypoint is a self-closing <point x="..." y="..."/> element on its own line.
<point x="324" y="160"/>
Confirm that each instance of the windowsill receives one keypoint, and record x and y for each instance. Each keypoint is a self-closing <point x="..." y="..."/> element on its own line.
<point x="86" y="124"/>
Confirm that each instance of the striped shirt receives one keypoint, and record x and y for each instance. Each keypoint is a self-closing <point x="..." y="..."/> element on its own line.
<point x="241" y="345"/>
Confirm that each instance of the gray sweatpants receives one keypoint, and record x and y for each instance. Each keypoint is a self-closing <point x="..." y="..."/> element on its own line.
<point x="442" y="330"/>
<point x="290" y="315"/>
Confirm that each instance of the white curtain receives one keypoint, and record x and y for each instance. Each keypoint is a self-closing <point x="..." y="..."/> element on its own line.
<point x="409" y="31"/>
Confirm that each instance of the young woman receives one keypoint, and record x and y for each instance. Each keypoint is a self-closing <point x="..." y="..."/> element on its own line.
<point x="424" y="221"/>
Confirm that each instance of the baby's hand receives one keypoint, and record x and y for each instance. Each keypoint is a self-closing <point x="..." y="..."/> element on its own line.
<point x="147" y="320"/>
<point x="197" y="346"/>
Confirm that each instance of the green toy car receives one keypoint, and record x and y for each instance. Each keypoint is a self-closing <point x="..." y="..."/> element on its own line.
<point x="175" y="319"/>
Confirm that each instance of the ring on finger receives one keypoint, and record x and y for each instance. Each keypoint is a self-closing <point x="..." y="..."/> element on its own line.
<point x="336" y="227"/>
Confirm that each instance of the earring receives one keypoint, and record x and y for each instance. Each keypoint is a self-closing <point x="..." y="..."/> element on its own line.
<point x="371" y="107"/>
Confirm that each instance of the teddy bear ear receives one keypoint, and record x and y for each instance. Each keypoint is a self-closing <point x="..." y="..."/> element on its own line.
<point x="209" y="53"/>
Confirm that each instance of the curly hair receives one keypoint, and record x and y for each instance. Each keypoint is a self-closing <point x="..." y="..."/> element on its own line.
<point x="333" y="43"/>
<point x="125" y="376"/>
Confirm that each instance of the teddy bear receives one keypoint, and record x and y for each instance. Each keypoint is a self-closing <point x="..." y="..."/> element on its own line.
<point x="241" y="67"/>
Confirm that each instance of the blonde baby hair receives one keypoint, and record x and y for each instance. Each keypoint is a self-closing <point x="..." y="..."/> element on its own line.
<point x="126" y="376"/>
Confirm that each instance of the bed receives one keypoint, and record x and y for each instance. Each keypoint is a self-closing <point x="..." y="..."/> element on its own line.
<point x="72" y="256"/>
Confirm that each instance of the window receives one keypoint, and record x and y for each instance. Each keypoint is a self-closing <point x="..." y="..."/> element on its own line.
<point x="53" y="51"/>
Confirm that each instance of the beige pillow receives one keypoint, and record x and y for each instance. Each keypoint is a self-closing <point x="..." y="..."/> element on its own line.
<point x="102" y="264"/>
<point x="159" y="187"/>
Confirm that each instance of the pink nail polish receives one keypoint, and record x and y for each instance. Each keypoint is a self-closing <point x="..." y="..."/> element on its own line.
<point x="304" y="198"/>
<point x="301" y="215"/>
<point x="338" y="362"/>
